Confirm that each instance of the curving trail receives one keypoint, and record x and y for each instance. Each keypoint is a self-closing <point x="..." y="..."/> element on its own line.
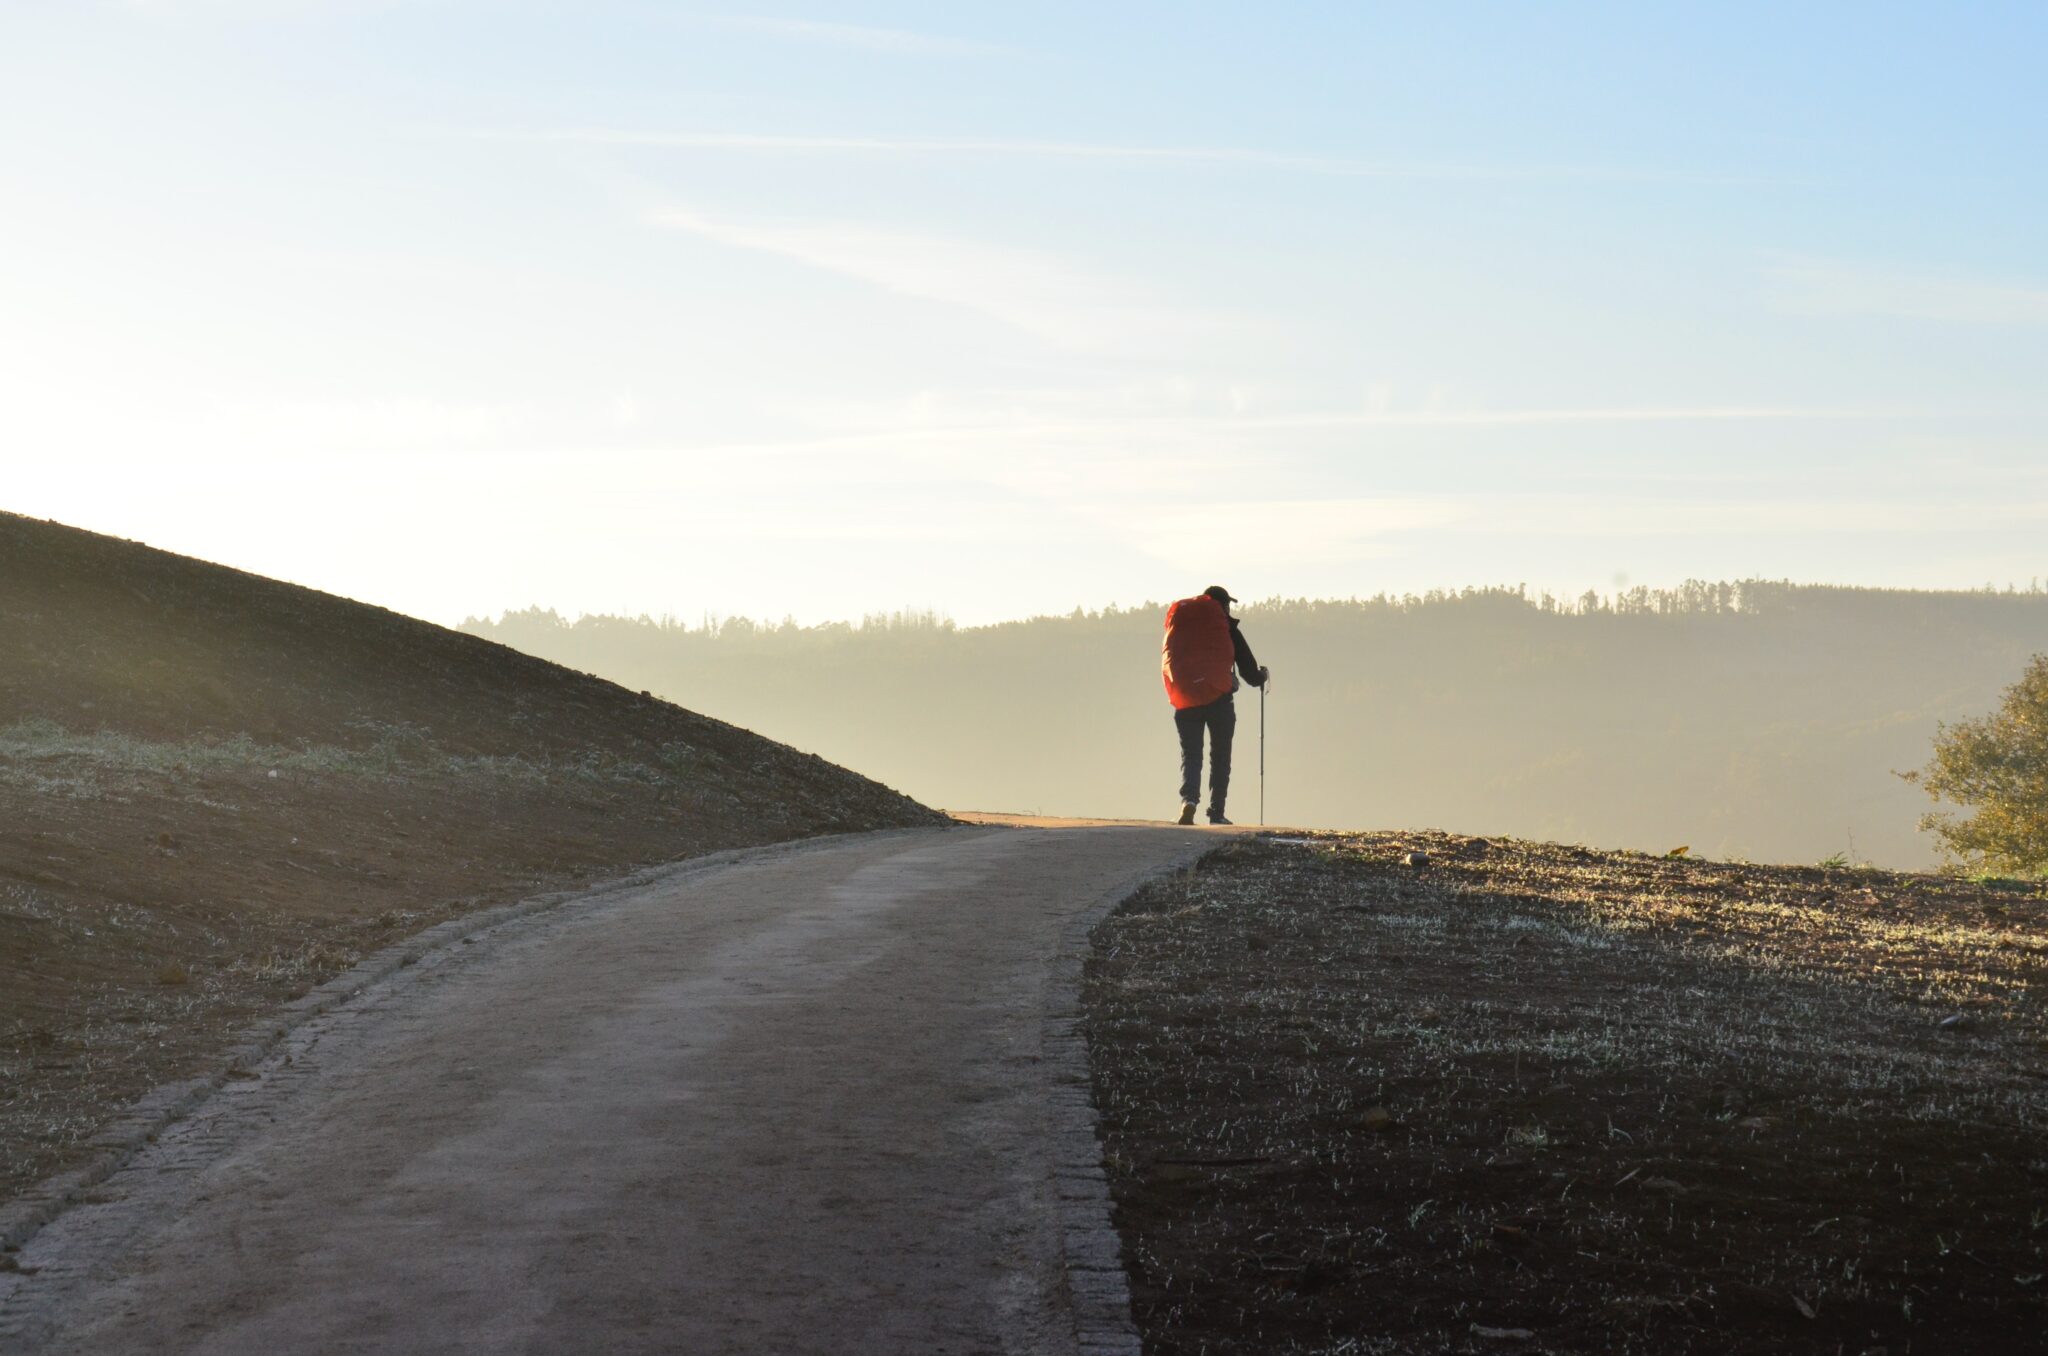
<point x="800" y="1100"/>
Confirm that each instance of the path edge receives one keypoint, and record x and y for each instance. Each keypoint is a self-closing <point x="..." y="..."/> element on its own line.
<point x="1091" y="1251"/>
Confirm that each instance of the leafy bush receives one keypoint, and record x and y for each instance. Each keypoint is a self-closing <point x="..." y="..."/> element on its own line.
<point x="1997" y="766"/>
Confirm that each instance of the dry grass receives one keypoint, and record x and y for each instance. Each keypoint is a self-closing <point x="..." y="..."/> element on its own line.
<point x="1623" y="1103"/>
<point x="43" y="757"/>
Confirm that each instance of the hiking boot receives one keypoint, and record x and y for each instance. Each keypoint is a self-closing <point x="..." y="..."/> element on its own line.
<point x="1216" y="817"/>
<point x="1187" y="813"/>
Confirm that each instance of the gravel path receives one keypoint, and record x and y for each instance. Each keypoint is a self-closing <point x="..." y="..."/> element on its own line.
<point x="807" y="1099"/>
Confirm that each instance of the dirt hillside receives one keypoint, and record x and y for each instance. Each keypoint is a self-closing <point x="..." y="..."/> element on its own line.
<point x="217" y="789"/>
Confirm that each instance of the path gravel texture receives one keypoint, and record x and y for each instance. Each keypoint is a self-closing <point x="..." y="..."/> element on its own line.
<point x="803" y="1099"/>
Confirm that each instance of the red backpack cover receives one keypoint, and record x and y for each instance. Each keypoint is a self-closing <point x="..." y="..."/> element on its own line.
<point x="1196" y="657"/>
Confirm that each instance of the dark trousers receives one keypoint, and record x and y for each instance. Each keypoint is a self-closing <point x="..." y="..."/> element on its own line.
<point x="1219" y="718"/>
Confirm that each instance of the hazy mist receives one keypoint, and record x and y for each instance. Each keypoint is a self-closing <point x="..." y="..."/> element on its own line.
<point x="1754" y="720"/>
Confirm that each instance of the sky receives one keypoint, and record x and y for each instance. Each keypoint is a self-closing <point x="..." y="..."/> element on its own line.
<point x="457" y="306"/>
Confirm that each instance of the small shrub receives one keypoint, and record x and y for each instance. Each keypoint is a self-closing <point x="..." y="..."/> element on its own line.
<point x="1998" y="767"/>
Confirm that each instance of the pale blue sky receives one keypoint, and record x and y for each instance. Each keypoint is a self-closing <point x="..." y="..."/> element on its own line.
<point x="458" y="306"/>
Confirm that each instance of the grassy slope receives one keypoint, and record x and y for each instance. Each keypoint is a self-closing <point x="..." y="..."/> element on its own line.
<point x="216" y="789"/>
<point x="1616" y="1103"/>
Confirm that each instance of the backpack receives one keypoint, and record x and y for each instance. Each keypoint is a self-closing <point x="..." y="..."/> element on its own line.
<point x="1197" y="654"/>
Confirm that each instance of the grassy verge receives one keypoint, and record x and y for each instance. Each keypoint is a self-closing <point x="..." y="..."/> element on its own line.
<point x="1536" y="1098"/>
<point x="42" y="756"/>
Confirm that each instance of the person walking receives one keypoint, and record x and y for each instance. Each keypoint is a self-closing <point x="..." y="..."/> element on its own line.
<point x="1202" y="659"/>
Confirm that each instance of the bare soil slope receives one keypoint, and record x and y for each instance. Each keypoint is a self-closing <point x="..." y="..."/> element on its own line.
<point x="217" y="789"/>
<point x="1534" y="1098"/>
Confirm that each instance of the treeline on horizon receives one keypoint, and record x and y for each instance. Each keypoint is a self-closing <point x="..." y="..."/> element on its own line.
<point x="1692" y="598"/>
<point x="1758" y="719"/>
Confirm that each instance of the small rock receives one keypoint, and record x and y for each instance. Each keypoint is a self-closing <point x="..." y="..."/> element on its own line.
<point x="1664" y="1186"/>
<point x="1415" y="859"/>
<point x="1377" y="1119"/>
<point x="1955" y="1021"/>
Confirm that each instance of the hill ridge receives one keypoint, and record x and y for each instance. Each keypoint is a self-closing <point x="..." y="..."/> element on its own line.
<point x="218" y="790"/>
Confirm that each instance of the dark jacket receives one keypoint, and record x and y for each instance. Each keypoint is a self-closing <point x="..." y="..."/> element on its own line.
<point x="1247" y="666"/>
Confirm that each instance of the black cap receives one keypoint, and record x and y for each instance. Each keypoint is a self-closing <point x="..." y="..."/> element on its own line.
<point x="1219" y="593"/>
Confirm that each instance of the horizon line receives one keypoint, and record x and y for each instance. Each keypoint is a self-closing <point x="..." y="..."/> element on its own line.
<point x="941" y="619"/>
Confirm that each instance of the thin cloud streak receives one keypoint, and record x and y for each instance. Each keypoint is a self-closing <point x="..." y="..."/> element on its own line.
<point x="1294" y="534"/>
<point x="1100" y="151"/>
<point x="1784" y="516"/>
<point x="1181" y="426"/>
<point x="1832" y="288"/>
<point x="1623" y="415"/>
<point x="1276" y="533"/>
<point x="892" y="40"/>
<point x="1037" y="293"/>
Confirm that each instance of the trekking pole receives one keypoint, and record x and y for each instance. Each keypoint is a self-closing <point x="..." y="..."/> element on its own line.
<point x="1262" y="751"/>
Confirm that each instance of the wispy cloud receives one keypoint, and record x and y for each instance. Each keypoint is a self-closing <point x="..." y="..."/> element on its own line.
<point x="1822" y="287"/>
<point x="261" y="10"/>
<point x="1784" y="514"/>
<point x="1224" y="430"/>
<point x="1620" y="414"/>
<point x="362" y="425"/>
<point x="1279" y="533"/>
<point x="892" y="40"/>
<point x="1038" y="293"/>
<point x="996" y="147"/>
<point x="1259" y="536"/>
<point x="1266" y="537"/>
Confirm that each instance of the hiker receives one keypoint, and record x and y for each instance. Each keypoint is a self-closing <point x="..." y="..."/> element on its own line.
<point x="1203" y="645"/>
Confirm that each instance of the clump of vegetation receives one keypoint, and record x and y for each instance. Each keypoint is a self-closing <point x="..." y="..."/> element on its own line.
<point x="1998" y="767"/>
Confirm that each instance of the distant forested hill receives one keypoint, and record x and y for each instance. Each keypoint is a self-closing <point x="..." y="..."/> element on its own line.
<point x="1752" y="719"/>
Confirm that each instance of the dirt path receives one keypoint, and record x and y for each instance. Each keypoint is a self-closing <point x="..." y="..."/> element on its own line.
<point x="796" y="1102"/>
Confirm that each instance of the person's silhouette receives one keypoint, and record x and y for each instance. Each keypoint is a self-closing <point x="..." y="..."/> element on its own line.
<point x="1204" y="654"/>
